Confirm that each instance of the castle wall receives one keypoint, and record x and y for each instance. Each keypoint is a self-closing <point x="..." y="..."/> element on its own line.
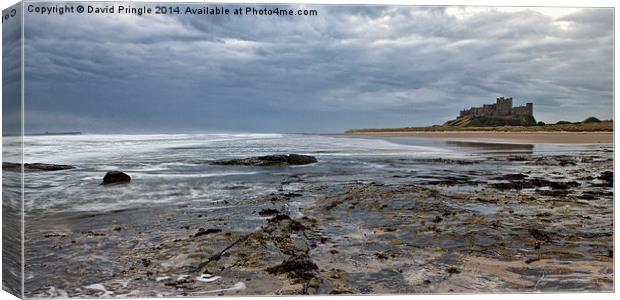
<point x="527" y="110"/>
<point x="519" y="111"/>
<point x="478" y="111"/>
<point x="489" y="109"/>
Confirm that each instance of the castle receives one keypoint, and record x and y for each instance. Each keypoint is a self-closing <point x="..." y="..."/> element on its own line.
<point x="503" y="107"/>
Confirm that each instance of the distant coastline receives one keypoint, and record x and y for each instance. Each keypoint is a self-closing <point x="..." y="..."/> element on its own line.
<point x="572" y="133"/>
<point x="571" y="127"/>
<point x="44" y="133"/>
<point x="56" y="133"/>
<point x="503" y="122"/>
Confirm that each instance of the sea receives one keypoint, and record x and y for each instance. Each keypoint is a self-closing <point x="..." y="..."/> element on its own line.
<point x="175" y="168"/>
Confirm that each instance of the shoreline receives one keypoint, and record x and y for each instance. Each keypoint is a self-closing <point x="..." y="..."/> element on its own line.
<point x="537" y="137"/>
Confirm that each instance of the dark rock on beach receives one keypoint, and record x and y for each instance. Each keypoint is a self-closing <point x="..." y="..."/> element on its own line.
<point x="512" y="177"/>
<point x="279" y="218"/>
<point x="297" y="159"/>
<point x="34" y="167"/>
<point x="534" y="183"/>
<point x="296" y="267"/>
<point x="201" y="231"/>
<point x="115" y="177"/>
<point x="539" y="234"/>
<point x="268" y="212"/>
<point x="608" y="178"/>
<point x="269" y="160"/>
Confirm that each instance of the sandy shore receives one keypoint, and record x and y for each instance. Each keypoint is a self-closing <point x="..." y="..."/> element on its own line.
<point x="601" y="137"/>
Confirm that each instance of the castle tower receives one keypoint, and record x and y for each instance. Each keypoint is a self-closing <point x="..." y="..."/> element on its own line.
<point x="503" y="106"/>
<point x="529" y="108"/>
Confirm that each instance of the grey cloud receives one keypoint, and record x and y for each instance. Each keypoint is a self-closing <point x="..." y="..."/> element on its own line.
<point x="11" y="75"/>
<point x="351" y="66"/>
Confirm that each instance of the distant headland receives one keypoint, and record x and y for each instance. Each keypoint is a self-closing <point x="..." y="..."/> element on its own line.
<point x="501" y="120"/>
<point x="57" y="133"/>
<point x="501" y="113"/>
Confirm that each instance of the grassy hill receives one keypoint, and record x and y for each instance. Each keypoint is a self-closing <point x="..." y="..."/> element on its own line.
<point x="491" y="121"/>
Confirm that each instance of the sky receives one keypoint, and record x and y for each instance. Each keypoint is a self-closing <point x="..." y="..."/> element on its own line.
<point x="11" y="75"/>
<point x="348" y="67"/>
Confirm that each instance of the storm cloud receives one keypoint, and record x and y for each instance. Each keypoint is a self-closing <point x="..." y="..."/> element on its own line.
<point x="348" y="67"/>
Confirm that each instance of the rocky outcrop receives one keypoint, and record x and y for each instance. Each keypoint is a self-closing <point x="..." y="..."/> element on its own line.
<point x="115" y="177"/>
<point x="34" y="167"/>
<point x="269" y="160"/>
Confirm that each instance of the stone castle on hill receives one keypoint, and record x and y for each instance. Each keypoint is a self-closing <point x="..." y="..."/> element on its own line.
<point x="502" y="107"/>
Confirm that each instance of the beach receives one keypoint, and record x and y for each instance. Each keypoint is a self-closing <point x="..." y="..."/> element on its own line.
<point x="372" y="215"/>
<point x="533" y="137"/>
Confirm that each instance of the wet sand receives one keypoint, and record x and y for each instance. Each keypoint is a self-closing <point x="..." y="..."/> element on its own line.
<point x="551" y="137"/>
<point x="544" y="226"/>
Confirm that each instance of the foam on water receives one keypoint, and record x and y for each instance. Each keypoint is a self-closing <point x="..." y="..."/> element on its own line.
<point x="175" y="169"/>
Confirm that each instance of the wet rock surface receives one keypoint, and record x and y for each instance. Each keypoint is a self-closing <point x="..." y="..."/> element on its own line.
<point x="482" y="228"/>
<point x="115" y="177"/>
<point x="269" y="160"/>
<point x="34" y="167"/>
<point x="534" y="183"/>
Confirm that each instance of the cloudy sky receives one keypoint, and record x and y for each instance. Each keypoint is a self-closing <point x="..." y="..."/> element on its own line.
<point x="11" y="76"/>
<point x="348" y="67"/>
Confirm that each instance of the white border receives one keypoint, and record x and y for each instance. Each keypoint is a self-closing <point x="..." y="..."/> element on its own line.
<point x="559" y="3"/>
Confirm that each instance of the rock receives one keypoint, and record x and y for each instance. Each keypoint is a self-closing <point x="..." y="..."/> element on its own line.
<point x="313" y="286"/>
<point x="55" y="235"/>
<point x="544" y="214"/>
<point x="553" y="193"/>
<point x="608" y="178"/>
<point x="586" y="196"/>
<point x="279" y="218"/>
<point x="340" y="292"/>
<point x="291" y="195"/>
<point x="296" y="159"/>
<point x="269" y="160"/>
<point x="517" y="158"/>
<point x="34" y="167"/>
<point x="487" y="200"/>
<point x="447" y="161"/>
<point x="539" y="235"/>
<point x="297" y="267"/>
<point x="517" y="176"/>
<point x="381" y="255"/>
<point x="534" y="183"/>
<point x="201" y="231"/>
<point x="449" y="180"/>
<point x="145" y="262"/>
<point x="115" y="177"/>
<point x="531" y="260"/>
<point x="268" y="212"/>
